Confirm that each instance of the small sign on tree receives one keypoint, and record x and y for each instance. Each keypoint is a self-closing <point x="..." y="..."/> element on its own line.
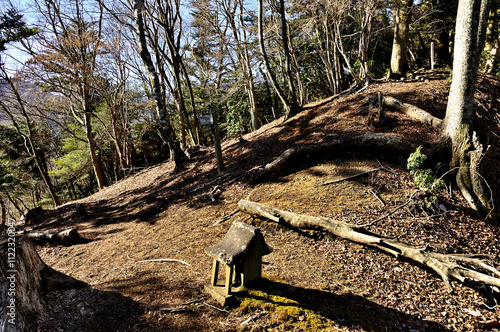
<point x="206" y="120"/>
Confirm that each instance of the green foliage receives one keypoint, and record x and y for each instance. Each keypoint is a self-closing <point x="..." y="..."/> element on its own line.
<point x="75" y="161"/>
<point x="416" y="160"/>
<point x="13" y="28"/>
<point x="15" y="164"/>
<point x="235" y="122"/>
<point x="496" y="71"/>
<point x="424" y="178"/>
<point x="7" y="178"/>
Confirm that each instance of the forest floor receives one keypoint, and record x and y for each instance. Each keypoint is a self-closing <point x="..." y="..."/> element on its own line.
<point x="313" y="281"/>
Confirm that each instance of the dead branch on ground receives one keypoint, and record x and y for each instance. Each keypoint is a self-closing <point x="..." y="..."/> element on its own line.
<point x="68" y="236"/>
<point x="411" y="110"/>
<point x="448" y="266"/>
<point x="164" y="260"/>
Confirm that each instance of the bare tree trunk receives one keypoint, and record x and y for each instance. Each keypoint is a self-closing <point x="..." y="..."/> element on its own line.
<point x="399" y="61"/>
<point x="96" y="159"/>
<point x="197" y="129"/>
<point x="295" y="106"/>
<point x="301" y="93"/>
<point x="171" y="21"/>
<point x="117" y="137"/>
<point x="365" y="37"/>
<point x="468" y="152"/>
<point x="241" y="44"/>
<point x="290" y="105"/>
<point x="330" y="56"/>
<point x="166" y="132"/>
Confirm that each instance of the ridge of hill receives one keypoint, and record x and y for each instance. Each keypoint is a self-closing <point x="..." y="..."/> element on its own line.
<point x="315" y="281"/>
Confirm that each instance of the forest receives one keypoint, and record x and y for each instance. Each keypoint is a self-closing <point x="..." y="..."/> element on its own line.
<point x="360" y="137"/>
<point x="103" y="90"/>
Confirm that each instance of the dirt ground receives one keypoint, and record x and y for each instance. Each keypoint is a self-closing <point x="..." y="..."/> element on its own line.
<point x="314" y="281"/>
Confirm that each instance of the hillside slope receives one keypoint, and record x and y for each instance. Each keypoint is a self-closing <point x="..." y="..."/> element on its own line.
<point x="315" y="281"/>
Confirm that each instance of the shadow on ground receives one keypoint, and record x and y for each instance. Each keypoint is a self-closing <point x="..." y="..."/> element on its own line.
<point x="349" y="310"/>
<point x="87" y="309"/>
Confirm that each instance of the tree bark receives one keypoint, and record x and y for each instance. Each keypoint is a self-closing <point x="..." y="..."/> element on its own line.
<point x="3" y="211"/>
<point x="468" y="152"/>
<point x="411" y="110"/>
<point x="24" y="277"/>
<point x="399" y="61"/>
<point x="96" y="159"/>
<point x="447" y="266"/>
<point x="369" y="11"/>
<point x="295" y="107"/>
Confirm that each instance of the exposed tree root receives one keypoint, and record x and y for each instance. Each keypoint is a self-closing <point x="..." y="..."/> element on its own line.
<point x="448" y="266"/>
<point x="368" y="142"/>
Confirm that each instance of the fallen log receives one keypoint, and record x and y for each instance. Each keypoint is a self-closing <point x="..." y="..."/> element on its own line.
<point x="411" y="110"/>
<point x="68" y="236"/>
<point x="448" y="266"/>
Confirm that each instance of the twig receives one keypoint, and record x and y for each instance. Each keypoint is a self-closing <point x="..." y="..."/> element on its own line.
<point x="214" y="307"/>
<point x="385" y="168"/>
<point x="163" y="260"/>
<point x="377" y="197"/>
<point x="390" y="213"/>
<point x="182" y="308"/>
<point x="353" y="176"/>
<point x="225" y="218"/>
<point x="194" y="301"/>
<point x="253" y="317"/>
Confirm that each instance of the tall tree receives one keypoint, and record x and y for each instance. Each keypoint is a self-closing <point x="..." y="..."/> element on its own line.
<point x="468" y="151"/>
<point x="402" y="15"/>
<point x="29" y="137"/>
<point x="167" y="45"/>
<point x="290" y="102"/>
<point x="166" y="131"/>
<point x="68" y="62"/>
<point x="235" y="12"/>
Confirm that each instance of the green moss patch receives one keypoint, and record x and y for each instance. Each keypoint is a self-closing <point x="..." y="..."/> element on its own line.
<point x="284" y="313"/>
